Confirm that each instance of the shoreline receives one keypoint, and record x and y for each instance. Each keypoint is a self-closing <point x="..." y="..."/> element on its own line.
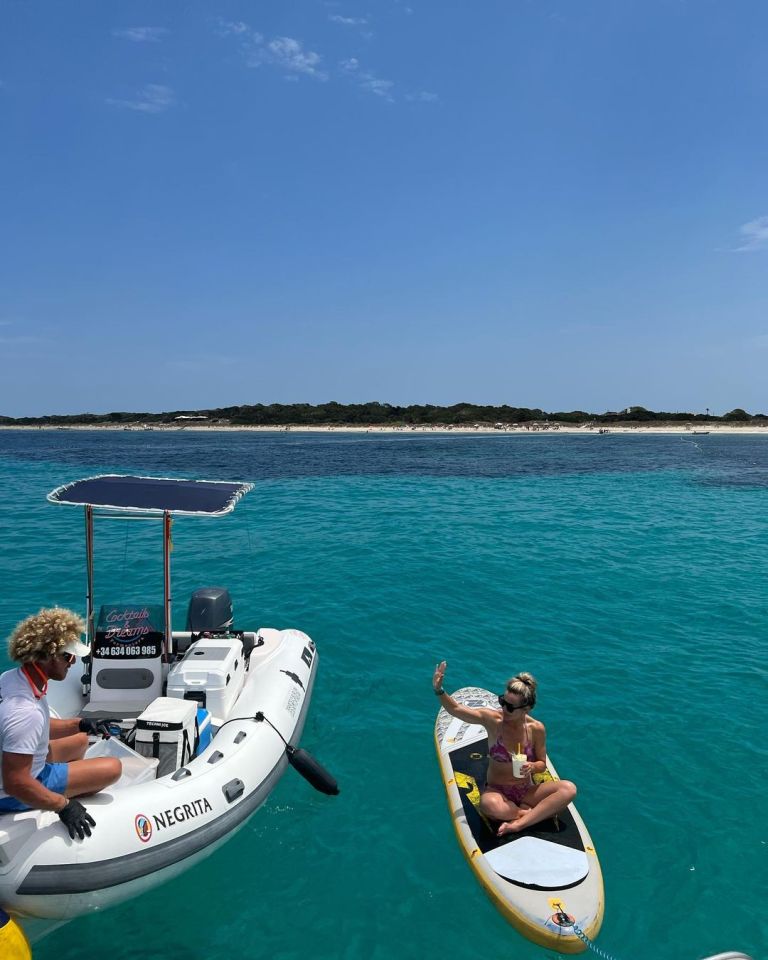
<point x="456" y="430"/>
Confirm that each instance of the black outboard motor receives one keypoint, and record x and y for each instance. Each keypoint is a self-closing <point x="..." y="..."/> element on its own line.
<point x="210" y="610"/>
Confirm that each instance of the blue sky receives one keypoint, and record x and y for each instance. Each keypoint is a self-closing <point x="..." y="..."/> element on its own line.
<point x="554" y="203"/>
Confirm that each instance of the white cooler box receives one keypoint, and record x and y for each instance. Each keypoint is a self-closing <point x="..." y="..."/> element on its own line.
<point x="167" y="731"/>
<point x="212" y="674"/>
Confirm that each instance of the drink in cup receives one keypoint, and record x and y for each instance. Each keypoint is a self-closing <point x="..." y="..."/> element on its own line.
<point x="518" y="759"/>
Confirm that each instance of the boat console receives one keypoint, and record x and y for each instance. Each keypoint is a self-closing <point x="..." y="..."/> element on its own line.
<point x="129" y="676"/>
<point x="212" y="672"/>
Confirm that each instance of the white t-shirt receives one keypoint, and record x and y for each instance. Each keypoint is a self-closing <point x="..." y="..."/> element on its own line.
<point x="25" y="721"/>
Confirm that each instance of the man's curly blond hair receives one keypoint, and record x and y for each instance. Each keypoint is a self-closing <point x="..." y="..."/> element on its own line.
<point x="44" y="634"/>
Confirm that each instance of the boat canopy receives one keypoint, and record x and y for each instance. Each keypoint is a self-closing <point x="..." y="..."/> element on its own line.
<point x="210" y="498"/>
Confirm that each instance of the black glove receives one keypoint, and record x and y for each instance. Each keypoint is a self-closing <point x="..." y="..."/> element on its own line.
<point x="103" y="728"/>
<point x="77" y="819"/>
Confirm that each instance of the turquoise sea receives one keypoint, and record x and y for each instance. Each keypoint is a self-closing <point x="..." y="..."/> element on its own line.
<point x="628" y="573"/>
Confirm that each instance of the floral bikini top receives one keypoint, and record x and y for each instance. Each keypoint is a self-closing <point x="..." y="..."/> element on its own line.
<point x="500" y="754"/>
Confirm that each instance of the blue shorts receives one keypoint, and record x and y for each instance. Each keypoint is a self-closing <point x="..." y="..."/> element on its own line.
<point x="54" y="776"/>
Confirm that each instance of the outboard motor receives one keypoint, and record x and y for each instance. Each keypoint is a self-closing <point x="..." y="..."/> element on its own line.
<point x="210" y="610"/>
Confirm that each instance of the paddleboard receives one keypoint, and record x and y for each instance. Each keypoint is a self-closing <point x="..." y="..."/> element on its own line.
<point x="541" y="879"/>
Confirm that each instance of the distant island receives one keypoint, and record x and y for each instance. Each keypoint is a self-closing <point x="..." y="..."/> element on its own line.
<point x="279" y="415"/>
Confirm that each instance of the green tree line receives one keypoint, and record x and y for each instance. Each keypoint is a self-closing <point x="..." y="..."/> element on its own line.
<point x="381" y="414"/>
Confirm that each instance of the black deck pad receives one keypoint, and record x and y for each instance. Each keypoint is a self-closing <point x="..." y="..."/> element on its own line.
<point x="472" y="761"/>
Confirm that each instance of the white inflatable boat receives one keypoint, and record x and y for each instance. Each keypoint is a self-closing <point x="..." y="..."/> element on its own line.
<point x="209" y="719"/>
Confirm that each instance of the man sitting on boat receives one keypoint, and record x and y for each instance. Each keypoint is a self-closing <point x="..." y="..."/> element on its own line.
<point x="42" y="765"/>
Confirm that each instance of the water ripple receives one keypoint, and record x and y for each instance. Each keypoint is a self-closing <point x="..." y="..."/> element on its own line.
<point x="628" y="576"/>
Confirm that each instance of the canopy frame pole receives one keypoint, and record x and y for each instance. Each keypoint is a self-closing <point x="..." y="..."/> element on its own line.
<point x="168" y="641"/>
<point x="90" y="633"/>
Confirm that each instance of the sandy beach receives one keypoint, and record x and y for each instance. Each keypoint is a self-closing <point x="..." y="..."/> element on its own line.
<point x="682" y="429"/>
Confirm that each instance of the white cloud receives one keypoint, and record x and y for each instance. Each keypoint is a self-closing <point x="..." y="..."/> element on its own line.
<point x="152" y="98"/>
<point x="283" y="53"/>
<point x="348" y="21"/>
<point x="140" y="34"/>
<point x="423" y="96"/>
<point x="379" y="88"/>
<point x="367" y="81"/>
<point x="228" y="28"/>
<point x="754" y="235"/>
<point x="289" y="54"/>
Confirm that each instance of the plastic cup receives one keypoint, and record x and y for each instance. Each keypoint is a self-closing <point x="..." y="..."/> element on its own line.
<point x="518" y="759"/>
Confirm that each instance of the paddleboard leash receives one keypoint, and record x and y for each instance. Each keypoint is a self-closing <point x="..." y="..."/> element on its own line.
<point x="585" y="939"/>
<point x="562" y="919"/>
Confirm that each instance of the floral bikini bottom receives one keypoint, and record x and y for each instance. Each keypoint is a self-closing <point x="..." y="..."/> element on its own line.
<point x="510" y="791"/>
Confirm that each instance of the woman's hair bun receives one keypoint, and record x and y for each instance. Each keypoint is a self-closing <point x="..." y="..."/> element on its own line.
<point x="524" y="685"/>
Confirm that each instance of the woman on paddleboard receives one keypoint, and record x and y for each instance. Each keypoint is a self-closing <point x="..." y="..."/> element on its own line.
<point x="516" y="751"/>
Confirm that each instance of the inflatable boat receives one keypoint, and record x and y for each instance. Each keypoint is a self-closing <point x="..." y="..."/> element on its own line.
<point x="545" y="880"/>
<point x="207" y="719"/>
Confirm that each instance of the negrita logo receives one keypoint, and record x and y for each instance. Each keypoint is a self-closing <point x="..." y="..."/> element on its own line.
<point x="143" y="827"/>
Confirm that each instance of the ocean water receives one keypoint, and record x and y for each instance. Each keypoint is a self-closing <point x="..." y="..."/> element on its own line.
<point x="628" y="573"/>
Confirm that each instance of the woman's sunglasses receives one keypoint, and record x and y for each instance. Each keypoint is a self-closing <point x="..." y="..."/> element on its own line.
<point x="67" y="657"/>
<point x="510" y="707"/>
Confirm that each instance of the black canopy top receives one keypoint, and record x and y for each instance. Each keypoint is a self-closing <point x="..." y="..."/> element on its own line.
<point x="210" y="498"/>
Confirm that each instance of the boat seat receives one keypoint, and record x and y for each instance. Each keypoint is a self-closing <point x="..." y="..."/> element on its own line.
<point x="127" y="661"/>
<point x="115" y="710"/>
